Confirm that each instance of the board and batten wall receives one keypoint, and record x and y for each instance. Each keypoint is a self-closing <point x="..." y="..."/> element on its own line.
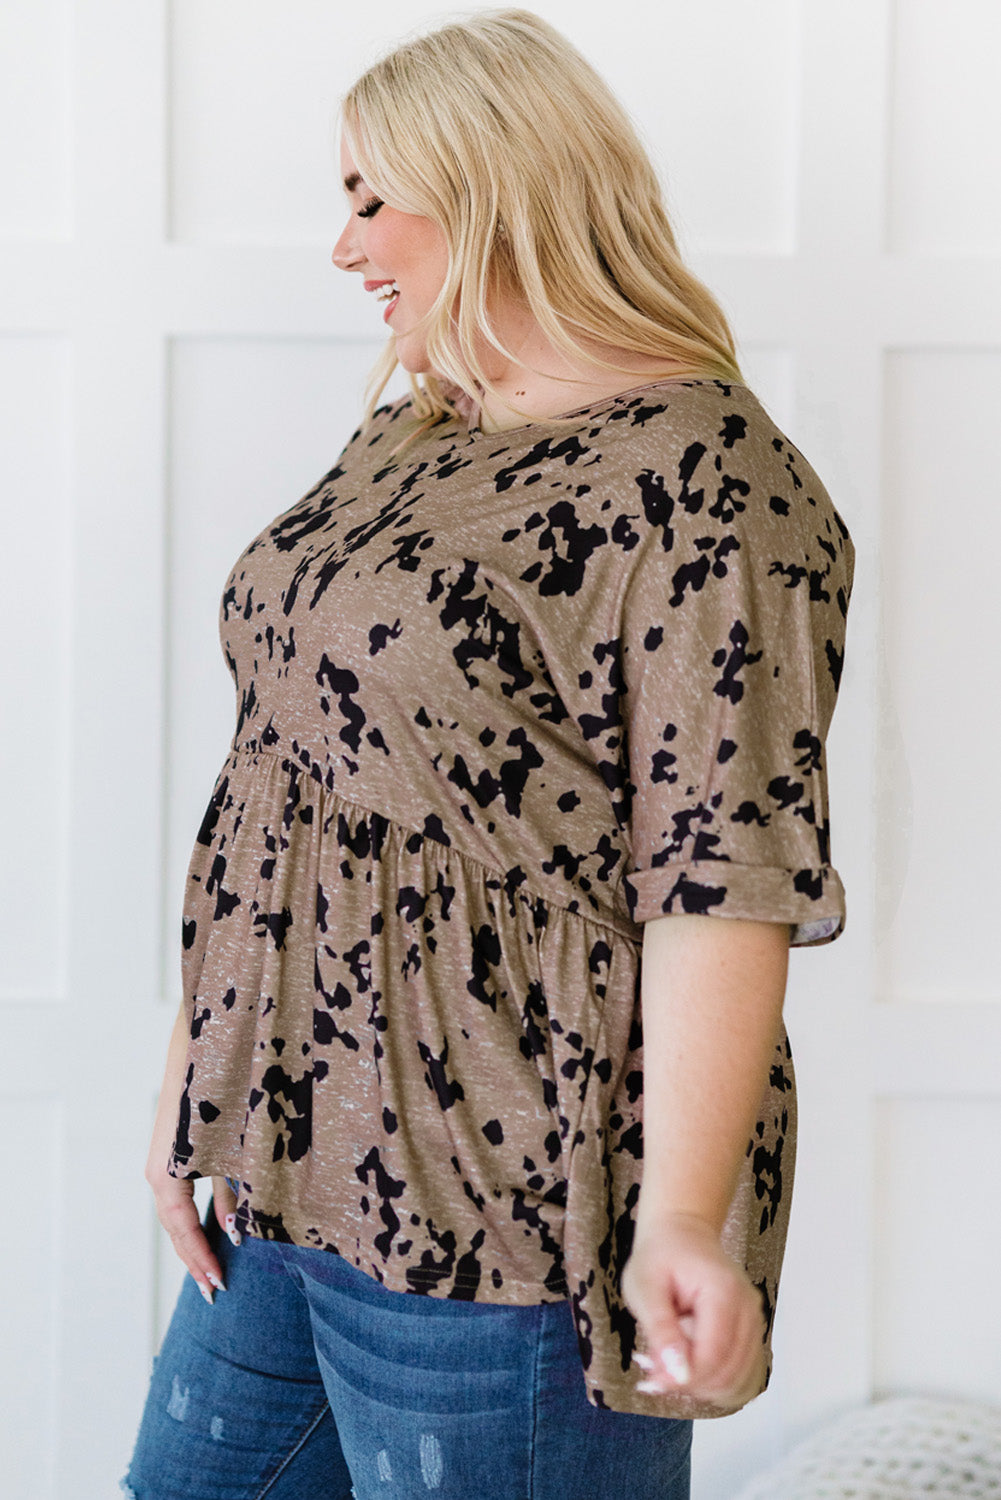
<point x="179" y="362"/>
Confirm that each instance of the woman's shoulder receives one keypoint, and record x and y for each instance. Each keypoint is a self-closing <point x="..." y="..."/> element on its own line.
<point x="722" y="490"/>
<point x="714" y="438"/>
<point x="714" y="414"/>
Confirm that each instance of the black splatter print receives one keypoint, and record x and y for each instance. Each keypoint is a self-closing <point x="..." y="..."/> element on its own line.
<point x="501" y="699"/>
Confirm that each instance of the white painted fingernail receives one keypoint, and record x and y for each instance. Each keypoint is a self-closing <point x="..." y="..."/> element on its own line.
<point x="219" y="1285"/>
<point x="643" y="1360"/>
<point x="650" y="1388"/>
<point x="675" y="1363"/>
<point x="206" y="1292"/>
<point x="232" y="1233"/>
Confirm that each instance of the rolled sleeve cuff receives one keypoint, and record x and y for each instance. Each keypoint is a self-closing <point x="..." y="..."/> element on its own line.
<point x="811" y="901"/>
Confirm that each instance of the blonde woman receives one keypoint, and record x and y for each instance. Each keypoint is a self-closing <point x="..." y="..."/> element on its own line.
<point x="487" y="923"/>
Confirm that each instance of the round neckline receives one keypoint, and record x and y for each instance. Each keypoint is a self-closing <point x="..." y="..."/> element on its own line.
<point x="590" y="407"/>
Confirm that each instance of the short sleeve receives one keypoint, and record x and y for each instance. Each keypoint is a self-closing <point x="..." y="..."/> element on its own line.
<point x="730" y="651"/>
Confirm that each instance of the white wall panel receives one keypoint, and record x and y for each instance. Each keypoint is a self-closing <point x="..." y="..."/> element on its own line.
<point x="29" y="1306"/>
<point x="35" y="602"/>
<point x="34" y="120"/>
<point x="251" y="120"/>
<point x="945" y="127"/>
<point x="254" y="424"/>
<point x="937" y="1302"/>
<point x="938" y="753"/>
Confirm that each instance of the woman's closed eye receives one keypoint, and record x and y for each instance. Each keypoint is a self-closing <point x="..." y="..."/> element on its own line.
<point x="371" y="208"/>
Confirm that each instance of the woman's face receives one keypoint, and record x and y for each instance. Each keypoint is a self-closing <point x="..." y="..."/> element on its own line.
<point x="402" y="257"/>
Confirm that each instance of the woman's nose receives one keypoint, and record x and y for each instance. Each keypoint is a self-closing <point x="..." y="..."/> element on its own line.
<point x="346" y="255"/>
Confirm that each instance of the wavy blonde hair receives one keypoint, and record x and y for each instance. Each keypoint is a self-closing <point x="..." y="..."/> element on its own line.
<point x="498" y="130"/>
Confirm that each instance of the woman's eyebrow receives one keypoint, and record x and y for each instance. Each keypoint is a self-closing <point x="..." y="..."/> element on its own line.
<point x="352" y="181"/>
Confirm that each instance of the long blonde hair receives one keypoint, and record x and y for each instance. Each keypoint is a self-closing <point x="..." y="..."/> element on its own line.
<point x="498" y="130"/>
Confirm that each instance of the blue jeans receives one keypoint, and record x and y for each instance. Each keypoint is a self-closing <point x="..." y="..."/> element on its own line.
<point x="307" y="1380"/>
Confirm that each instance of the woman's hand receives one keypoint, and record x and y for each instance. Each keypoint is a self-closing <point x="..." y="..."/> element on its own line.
<point x="175" y="1208"/>
<point x="699" y="1316"/>
<point x="175" y="1197"/>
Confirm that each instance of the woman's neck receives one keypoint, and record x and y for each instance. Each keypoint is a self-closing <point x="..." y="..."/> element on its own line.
<point x="536" y="398"/>
<point x="542" y="381"/>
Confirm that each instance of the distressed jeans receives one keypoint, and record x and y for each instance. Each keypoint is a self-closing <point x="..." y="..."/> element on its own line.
<point x="307" y="1380"/>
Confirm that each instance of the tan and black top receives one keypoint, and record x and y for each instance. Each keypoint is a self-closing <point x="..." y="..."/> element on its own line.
<point x="502" y="699"/>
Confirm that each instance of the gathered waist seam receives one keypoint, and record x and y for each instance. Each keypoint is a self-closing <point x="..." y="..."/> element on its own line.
<point x="289" y="762"/>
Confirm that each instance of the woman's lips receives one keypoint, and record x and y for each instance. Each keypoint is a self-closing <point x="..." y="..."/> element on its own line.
<point x="390" y="299"/>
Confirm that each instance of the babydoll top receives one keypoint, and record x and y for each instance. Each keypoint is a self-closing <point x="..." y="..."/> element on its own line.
<point x="503" y="698"/>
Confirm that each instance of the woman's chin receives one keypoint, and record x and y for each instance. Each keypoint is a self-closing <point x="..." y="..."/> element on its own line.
<point x="414" y="361"/>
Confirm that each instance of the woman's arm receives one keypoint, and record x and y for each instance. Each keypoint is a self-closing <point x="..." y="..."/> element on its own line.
<point x="175" y="1200"/>
<point x="712" y="992"/>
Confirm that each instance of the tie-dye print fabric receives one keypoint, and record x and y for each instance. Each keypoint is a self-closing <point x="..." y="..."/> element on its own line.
<point x="501" y="699"/>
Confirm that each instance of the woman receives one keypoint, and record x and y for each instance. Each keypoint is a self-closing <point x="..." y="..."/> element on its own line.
<point x="487" y="923"/>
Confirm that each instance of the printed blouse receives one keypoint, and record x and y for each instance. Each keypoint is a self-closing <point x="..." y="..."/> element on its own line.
<point x="503" y="698"/>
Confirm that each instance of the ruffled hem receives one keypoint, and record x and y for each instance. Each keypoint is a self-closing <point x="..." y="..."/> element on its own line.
<point x="351" y="979"/>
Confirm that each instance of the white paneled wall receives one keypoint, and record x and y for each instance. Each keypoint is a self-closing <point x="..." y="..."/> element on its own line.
<point x="179" y="362"/>
<point x="251" y="115"/>
<point x="938" y="1202"/>
<point x="939" y="516"/>
<point x="35" y="584"/>
<point x="35" y="119"/>
<point x="31" y="1341"/>
<point x="944" y="123"/>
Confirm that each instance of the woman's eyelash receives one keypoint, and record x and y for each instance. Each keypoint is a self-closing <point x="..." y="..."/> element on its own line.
<point x="371" y="207"/>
